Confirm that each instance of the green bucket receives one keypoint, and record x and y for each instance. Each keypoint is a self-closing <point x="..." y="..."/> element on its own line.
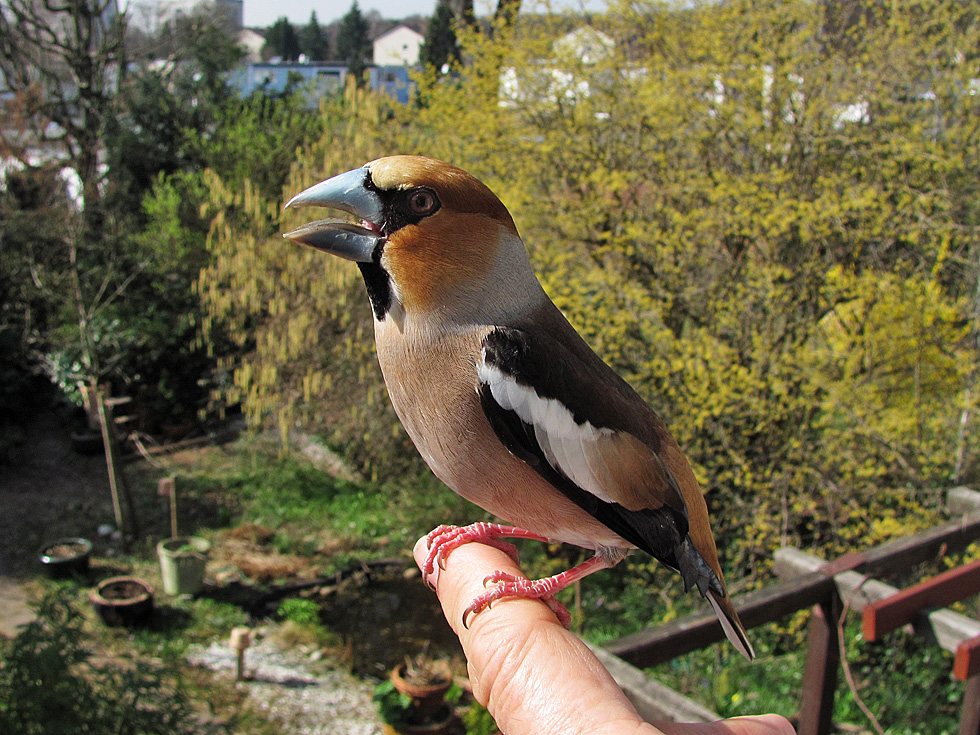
<point x="182" y="563"/>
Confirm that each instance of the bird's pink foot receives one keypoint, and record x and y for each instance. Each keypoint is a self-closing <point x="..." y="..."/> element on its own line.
<point x="444" y="539"/>
<point x="507" y="585"/>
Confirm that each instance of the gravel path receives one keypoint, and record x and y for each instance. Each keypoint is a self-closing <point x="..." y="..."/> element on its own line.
<point x="293" y="688"/>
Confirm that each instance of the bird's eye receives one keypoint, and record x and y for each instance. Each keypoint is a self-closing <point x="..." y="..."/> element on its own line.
<point x="422" y="201"/>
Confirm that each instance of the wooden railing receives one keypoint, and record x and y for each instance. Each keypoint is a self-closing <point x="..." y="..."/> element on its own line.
<point x="809" y="582"/>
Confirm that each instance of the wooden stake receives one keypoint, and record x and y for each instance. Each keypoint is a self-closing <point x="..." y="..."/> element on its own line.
<point x="241" y="639"/>
<point x="126" y="522"/>
<point x="168" y="487"/>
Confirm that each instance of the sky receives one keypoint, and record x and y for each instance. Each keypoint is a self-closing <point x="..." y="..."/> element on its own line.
<point x="265" y="12"/>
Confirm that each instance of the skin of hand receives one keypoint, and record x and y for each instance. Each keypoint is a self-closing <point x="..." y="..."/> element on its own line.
<point x="536" y="677"/>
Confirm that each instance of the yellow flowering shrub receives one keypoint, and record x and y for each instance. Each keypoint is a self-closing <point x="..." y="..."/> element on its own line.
<point x="762" y="217"/>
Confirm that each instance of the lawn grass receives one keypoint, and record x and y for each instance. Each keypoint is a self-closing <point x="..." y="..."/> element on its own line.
<point x="305" y="506"/>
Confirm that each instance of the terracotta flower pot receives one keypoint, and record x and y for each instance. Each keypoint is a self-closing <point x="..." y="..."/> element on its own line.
<point x="65" y="557"/>
<point x="426" y="692"/>
<point x="123" y="601"/>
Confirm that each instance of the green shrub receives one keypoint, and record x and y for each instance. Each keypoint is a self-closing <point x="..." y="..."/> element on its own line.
<point x="300" y="611"/>
<point x="50" y="684"/>
<point x="479" y="721"/>
<point x="393" y="706"/>
<point x="792" y="289"/>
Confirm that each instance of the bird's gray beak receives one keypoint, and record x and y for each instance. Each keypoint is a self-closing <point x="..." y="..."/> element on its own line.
<point x="348" y="193"/>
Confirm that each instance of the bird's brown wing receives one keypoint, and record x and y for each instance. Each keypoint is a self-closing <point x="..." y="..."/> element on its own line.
<point x="535" y="394"/>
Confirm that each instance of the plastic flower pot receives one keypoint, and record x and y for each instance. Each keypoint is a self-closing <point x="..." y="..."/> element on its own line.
<point x="182" y="563"/>
<point x="123" y="601"/>
<point x="65" y="557"/>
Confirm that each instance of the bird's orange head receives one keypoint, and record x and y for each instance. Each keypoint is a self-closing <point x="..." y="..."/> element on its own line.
<point x="432" y="238"/>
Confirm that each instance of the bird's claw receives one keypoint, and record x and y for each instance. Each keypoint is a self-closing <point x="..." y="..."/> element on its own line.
<point x="435" y="543"/>
<point x="498" y="577"/>
<point x="507" y="585"/>
<point x="479" y="604"/>
<point x="443" y="540"/>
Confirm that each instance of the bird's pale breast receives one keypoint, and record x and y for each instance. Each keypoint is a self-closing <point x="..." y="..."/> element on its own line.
<point x="432" y="383"/>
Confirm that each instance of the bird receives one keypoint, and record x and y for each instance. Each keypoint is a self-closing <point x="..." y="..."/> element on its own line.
<point x="504" y="400"/>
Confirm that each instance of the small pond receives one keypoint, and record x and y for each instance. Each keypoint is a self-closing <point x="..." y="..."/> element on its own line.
<point x="386" y="618"/>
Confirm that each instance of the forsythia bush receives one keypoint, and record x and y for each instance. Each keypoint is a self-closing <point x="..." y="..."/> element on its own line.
<point x="763" y="214"/>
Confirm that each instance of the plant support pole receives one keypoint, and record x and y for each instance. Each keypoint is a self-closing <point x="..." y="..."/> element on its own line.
<point x="117" y="481"/>
<point x="240" y="640"/>
<point x="168" y="488"/>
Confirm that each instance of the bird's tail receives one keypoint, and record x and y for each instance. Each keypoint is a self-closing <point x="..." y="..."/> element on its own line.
<point x="730" y="623"/>
<point x="696" y="572"/>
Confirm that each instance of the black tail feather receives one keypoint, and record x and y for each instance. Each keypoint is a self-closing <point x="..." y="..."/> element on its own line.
<point x="695" y="570"/>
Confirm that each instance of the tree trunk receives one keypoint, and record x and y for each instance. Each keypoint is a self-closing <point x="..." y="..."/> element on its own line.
<point x="506" y="13"/>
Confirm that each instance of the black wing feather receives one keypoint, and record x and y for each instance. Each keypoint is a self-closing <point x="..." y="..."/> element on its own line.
<point x="660" y="532"/>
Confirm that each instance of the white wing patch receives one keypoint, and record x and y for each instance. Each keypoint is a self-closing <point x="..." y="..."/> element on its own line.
<point x="569" y="447"/>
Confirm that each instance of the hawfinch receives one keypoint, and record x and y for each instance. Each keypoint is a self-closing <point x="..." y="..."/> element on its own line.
<point x="503" y="399"/>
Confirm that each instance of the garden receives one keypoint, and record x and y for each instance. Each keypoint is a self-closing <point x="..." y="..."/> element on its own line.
<point x="762" y="215"/>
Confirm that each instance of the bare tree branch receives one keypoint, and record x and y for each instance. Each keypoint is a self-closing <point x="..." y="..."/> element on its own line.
<point x="63" y="62"/>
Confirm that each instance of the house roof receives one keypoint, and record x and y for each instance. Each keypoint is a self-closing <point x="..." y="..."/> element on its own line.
<point x="396" y="29"/>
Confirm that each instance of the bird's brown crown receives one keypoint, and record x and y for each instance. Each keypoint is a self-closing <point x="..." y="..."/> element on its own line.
<point x="458" y="191"/>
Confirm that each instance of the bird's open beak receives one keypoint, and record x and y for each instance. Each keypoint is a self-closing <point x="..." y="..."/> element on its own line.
<point x="348" y="193"/>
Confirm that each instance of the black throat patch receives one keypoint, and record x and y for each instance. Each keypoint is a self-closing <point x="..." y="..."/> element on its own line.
<point x="378" y="284"/>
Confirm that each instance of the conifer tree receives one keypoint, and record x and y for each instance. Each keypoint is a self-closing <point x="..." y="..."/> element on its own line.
<point x="313" y="42"/>
<point x="353" y="44"/>
<point x="440" y="47"/>
<point x="282" y="40"/>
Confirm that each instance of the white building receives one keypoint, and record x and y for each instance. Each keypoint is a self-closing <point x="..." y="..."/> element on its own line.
<point x="551" y="82"/>
<point x="252" y="42"/>
<point x="398" y="47"/>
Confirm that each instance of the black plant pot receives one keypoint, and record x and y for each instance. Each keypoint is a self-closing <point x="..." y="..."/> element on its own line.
<point x="65" y="557"/>
<point x="123" y="601"/>
<point x="86" y="442"/>
<point x="442" y="722"/>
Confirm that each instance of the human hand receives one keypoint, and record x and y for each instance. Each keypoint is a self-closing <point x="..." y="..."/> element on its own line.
<point x="537" y="677"/>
